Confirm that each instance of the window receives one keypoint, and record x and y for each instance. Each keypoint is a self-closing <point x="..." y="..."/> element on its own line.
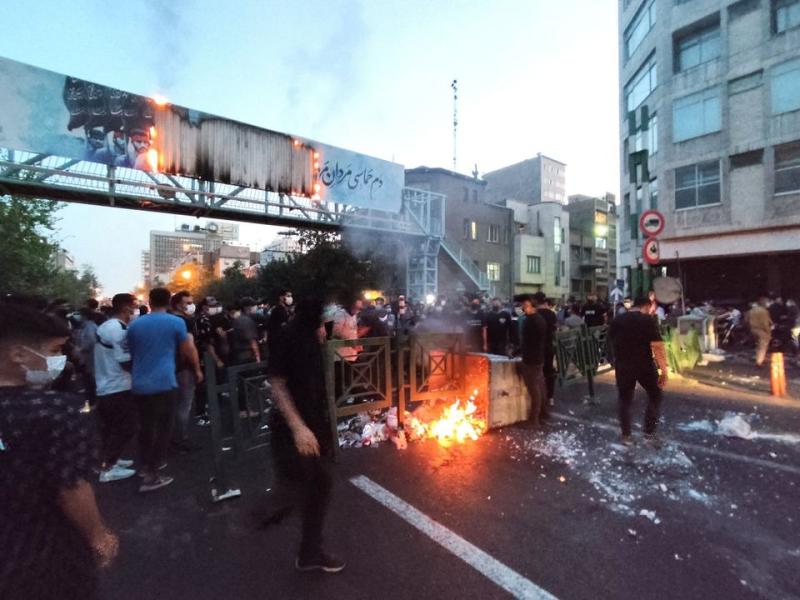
<point x="563" y="268"/>
<point x="696" y="115"/>
<point x="653" y="189"/>
<point x="786" y="87"/>
<point x="744" y="83"/>
<point x="475" y="196"/>
<point x="466" y="195"/>
<point x="747" y="159"/>
<point x="697" y="185"/>
<point x="639" y="27"/>
<point x="494" y="234"/>
<point x="626" y="207"/>
<point x="785" y="15"/>
<point x="652" y="134"/>
<point x="557" y="231"/>
<point x="470" y="230"/>
<point x="600" y="217"/>
<point x="601" y="243"/>
<point x="493" y="271"/>
<point x="787" y="168"/>
<point x="742" y="8"/>
<point x="697" y="48"/>
<point x="534" y="264"/>
<point x="641" y="84"/>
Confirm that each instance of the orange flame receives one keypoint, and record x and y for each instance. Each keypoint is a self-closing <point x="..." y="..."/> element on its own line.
<point x="152" y="159"/>
<point x="458" y="423"/>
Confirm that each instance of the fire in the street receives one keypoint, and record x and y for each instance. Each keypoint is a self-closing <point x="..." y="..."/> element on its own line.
<point x="458" y="423"/>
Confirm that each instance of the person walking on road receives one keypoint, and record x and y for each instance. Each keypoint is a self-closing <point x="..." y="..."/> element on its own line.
<point x="637" y="342"/>
<point x="155" y="340"/>
<point x="533" y="339"/>
<point x="760" y="324"/>
<point x="302" y="443"/>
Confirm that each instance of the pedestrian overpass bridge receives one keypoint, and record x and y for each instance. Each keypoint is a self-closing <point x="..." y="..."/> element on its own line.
<point x="104" y="147"/>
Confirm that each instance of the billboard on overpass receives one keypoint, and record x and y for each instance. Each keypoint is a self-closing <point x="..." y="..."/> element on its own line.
<point x="49" y="113"/>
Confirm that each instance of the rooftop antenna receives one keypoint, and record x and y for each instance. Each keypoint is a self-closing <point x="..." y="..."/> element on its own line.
<point x="454" y="85"/>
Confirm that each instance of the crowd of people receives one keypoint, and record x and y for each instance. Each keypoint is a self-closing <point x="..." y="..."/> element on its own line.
<point x="80" y="387"/>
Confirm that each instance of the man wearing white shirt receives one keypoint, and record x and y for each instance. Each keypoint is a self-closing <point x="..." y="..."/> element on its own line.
<point x="115" y="405"/>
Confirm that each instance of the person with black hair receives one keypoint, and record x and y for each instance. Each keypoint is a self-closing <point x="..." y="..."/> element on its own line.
<point x="544" y="306"/>
<point x="637" y="341"/>
<point x="53" y="537"/>
<point x="155" y="341"/>
<point x="116" y="408"/>
<point x="302" y="443"/>
<point x="532" y="344"/>
<point x="498" y="329"/>
<point x="278" y="317"/>
<point x="244" y="334"/>
<point x="182" y="306"/>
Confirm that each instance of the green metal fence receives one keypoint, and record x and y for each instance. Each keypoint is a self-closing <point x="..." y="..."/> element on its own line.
<point x="581" y="353"/>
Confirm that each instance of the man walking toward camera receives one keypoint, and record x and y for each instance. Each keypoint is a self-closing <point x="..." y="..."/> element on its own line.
<point x="637" y="342"/>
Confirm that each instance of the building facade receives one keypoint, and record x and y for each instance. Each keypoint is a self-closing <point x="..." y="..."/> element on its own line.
<point x="169" y="248"/>
<point x="541" y="261"/>
<point x="474" y="230"/>
<point x="592" y="245"/>
<point x="710" y="136"/>
<point x="532" y="181"/>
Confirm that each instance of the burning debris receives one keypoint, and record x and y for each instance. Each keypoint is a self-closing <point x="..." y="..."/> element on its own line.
<point x="447" y="423"/>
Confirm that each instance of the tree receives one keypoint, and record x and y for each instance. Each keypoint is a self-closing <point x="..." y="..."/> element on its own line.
<point x="25" y="251"/>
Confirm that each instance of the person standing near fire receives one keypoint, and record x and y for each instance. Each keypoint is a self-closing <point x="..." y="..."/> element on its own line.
<point x="548" y="314"/>
<point x="532" y="344"/>
<point x="637" y="341"/>
<point x="302" y="443"/>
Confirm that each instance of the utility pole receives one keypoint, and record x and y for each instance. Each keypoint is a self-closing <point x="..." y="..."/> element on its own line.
<point x="454" y="85"/>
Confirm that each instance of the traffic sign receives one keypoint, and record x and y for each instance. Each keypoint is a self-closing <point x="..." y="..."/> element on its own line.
<point x="651" y="223"/>
<point x="651" y="252"/>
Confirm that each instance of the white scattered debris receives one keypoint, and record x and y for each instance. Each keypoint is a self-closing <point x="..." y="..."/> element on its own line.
<point x="632" y="532"/>
<point x="738" y="425"/>
<point x="650" y="514"/>
<point x="700" y="497"/>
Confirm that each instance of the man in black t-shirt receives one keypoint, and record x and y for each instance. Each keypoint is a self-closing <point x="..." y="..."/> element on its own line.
<point x="475" y="328"/>
<point x="498" y="329"/>
<point x="636" y="340"/>
<point x="532" y="344"/>
<point x="593" y="314"/>
<point x="544" y="308"/>
<point x="278" y="317"/>
<point x="302" y="441"/>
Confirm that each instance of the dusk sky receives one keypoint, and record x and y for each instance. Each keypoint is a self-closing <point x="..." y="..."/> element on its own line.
<point x="371" y="76"/>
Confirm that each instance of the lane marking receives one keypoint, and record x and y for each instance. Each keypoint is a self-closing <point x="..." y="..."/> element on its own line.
<point x="760" y="462"/>
<point x="503" y="576"/>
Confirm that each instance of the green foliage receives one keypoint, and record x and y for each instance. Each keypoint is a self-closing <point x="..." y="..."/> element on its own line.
<point x="26" y="253"/>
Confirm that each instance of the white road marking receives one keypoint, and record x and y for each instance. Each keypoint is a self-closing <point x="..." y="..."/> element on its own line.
<point x="760" y="462"/>
<point x="503" y="576"/>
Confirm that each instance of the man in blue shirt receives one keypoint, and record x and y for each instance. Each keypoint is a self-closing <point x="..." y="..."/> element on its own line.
<point x="154" y="341"/>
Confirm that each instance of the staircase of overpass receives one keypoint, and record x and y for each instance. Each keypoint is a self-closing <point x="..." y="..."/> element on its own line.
<point x="420" y="221"/>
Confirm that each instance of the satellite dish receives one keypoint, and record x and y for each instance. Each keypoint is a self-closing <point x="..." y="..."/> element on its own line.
<point x="667" y="289"/>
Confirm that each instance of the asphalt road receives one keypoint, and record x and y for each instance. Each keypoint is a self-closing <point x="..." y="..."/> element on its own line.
<point x="566" y="509"/>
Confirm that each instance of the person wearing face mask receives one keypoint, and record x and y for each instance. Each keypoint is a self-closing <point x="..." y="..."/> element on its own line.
<point x="53" y="536"/>
<point x="182" y="306"/>
<point x="206" y="311"/>
<point x="624" y="307"/>
<point x="244" y="335"/>
<point x="278" y="318"/>
<point x="498" y="329"/>
<point x="115" y="409"/>
<point x="475" y="328"/>
<point x="155" y="341"/>
<point x="345" y="327"/>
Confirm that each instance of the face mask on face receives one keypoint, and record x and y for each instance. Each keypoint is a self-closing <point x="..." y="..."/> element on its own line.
<point x="288" y="300"/>
<point x="214" y="310"/>
<point x="55" y="365"/>
<point x="189" y="309"/>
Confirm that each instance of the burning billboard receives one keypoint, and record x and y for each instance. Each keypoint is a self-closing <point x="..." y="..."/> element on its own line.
<point x="49" y="113"/>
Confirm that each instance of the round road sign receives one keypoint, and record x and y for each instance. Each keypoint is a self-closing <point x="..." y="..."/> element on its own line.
<point x="650" y="251"/>
<point x="651" y="223"/>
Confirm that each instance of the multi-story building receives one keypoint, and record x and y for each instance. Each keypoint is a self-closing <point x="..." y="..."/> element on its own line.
<point x="539" y="179"/>
<point x="477" y="243"/>
<point x="710" y="136"/>
<point x="227" y="256"/>
<point x="286" y="244"/>
<point x="145" y="266"/>
<point x="541" y="261"/>
<point x="168" y="248"/>
<point x="592" y="245"/>
<point x="64" y="260"/>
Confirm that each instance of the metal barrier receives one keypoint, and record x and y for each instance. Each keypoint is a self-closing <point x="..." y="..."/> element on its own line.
<point x="580" y="353"/>
<point x="238" y="408"/>
<point x="360" y="381"/>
